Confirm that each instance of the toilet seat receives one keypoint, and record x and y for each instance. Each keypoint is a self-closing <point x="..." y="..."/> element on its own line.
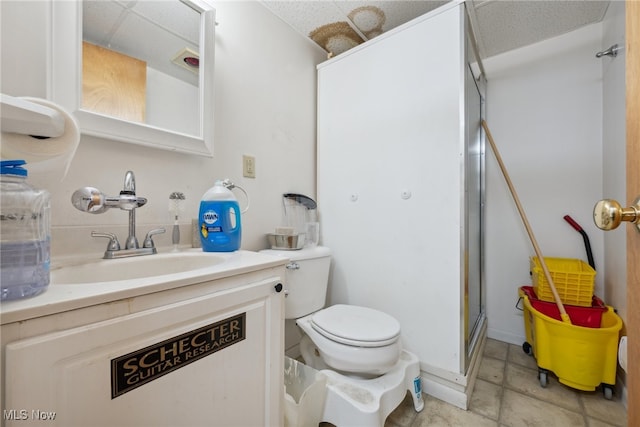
<point x="350" y="339"/>
<point x="356" y="326"/>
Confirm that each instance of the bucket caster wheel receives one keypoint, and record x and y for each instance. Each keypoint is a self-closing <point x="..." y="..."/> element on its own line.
<point x="526" y="347"/>
<point x="607" y="390"/>
<point x="543" y="376"/>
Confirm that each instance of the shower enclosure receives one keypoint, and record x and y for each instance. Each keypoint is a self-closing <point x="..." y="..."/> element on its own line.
<point x="400" y="190"/>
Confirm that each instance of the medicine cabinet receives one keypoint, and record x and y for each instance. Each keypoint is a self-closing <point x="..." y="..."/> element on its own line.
<point x="193" y="98"/>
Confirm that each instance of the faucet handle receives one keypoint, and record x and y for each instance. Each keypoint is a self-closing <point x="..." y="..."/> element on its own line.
<point x="148" y="241"/>
<point x="113" y="244"/>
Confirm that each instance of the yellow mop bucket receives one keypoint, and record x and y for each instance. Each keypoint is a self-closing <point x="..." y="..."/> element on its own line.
<point x="581" y="357"/>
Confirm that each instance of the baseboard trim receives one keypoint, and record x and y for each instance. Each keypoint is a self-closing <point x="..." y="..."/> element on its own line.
<point x="455" y="389"/>
<point x="507" y="337"/>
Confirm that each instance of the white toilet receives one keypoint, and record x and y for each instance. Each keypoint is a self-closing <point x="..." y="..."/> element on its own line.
<point x="356" y="341"/>
<point x="358" y="348"/>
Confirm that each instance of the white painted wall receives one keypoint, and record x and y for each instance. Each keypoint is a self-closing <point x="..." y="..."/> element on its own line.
<point x="614" y="160"/>
<point x="172" y="103"/>
<point x="544" y="109"/>
<point x="264" y="107"/>
<point x="614" y="155"/>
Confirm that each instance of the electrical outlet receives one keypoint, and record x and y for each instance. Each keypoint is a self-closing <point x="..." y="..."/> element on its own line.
<point x="248" y="166"/>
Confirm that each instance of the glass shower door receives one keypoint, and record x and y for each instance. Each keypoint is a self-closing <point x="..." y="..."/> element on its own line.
<point x="474" y="194"/>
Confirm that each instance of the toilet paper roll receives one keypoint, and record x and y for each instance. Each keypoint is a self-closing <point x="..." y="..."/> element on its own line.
<point x="48" y="154"/>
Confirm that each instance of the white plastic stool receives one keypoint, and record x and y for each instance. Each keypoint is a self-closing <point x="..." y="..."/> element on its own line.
<point x="368" y="402"/>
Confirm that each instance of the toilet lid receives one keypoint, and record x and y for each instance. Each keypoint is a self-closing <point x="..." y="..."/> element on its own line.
<point x="356" y="326"/>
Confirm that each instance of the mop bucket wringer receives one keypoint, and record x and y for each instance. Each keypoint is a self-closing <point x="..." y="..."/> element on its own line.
<point x="573" y="278"/>
<point x="582" y="357"/>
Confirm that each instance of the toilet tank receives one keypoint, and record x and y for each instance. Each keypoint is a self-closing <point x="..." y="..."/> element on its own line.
<point x="307" y="277"/>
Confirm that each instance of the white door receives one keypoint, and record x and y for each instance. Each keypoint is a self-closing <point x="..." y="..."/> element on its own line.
<point x="633" y="191"/>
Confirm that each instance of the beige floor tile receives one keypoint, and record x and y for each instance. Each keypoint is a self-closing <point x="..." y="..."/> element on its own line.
<point x="437" y="413"/>
<point x="496" y="349"/>
<point x="485" y="399"/>
<point x="491" y="370"/>
<point x="526" y="381"/>
<point x="519" y="410"/>
<point x="518" y="356"/>
<point x="404" y="414"/>
<point x="591" y="422"/>
<point x="610" y="411"/>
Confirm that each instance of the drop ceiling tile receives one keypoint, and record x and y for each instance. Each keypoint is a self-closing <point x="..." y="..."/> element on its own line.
<point x="506" y="25"/>
<point x="99" y="20"/>
<point x="500" y="25"/>
<point x="322" y="21"/>
<point x="305" y="16"/>
<point x="393" y="13"/>
<point x="175" y="16"/>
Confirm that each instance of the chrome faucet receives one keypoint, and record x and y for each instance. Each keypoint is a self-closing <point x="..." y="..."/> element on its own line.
<point x="129" y="190"/>
<point x="92" y="200"/>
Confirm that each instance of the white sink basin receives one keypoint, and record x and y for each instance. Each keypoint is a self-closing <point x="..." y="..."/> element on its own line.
<point x="79" y="281"/>
<point x="110" y="270"/>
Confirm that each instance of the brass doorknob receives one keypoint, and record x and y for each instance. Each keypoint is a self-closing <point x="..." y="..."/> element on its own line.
<point x="608" y="214"/>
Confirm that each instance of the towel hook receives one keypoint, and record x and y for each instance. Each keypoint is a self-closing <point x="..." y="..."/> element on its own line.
<point x="612" y="52"/>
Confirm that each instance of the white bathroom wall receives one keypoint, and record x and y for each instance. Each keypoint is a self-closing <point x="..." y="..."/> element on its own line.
<point x="264" y="106"/>
<point x="613" y="155"/>
<point x="172" y="103"/>
<point x="614" y="160"/>
<point x="544" y="109"/>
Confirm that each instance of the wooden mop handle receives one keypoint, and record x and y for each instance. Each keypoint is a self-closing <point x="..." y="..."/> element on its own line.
<point x="563" y="313"/>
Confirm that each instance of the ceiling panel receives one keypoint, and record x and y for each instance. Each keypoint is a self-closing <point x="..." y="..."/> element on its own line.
<point x="506" y="25"/>
<point x="500" y="25"/>
<point x="388" y="14"/>
<point x="154" y="31"/>
<point x="335" y="25"/>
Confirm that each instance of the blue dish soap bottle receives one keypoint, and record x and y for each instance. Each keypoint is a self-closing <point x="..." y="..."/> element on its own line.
<point x="219" y="220"/>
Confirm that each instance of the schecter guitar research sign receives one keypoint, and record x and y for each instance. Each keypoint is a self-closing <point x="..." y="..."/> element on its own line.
<point x="145" y="365"/>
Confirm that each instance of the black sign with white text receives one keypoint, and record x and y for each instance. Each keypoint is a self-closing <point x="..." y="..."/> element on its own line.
<point x="142" y="366"/>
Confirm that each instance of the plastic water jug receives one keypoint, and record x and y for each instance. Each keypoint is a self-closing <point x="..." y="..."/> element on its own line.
<point x="219" y="220"/>
<point x="25" y="232"/>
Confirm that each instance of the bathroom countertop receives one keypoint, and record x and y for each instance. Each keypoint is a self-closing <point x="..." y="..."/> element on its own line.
<point x="64" y="297"/>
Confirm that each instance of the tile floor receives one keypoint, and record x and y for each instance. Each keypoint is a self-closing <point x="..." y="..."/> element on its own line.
<point x="508" y="394"/>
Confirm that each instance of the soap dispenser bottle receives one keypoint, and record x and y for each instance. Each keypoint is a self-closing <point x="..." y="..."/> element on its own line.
<point x="219" y="220"/>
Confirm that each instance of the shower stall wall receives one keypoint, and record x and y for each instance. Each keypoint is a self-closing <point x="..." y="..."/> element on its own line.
<point x="400" y="190"/>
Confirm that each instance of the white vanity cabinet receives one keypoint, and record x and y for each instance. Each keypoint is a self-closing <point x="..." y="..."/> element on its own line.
<point x="207" y="354"/>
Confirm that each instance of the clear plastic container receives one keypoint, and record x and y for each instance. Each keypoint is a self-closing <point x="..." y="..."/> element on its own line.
<point x="25" y="232"/>
<point x="304" y="394"/>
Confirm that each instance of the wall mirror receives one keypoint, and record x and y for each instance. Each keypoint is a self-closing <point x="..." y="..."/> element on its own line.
<point x="136" y="71"/>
